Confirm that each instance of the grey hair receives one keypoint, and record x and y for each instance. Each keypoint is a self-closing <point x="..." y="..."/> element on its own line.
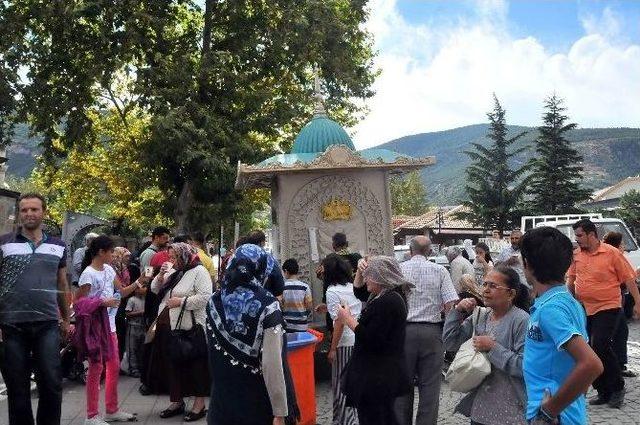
<point x="453" y="252"/>
<point x="89" y="237"/>
<point x="420" y="245"/>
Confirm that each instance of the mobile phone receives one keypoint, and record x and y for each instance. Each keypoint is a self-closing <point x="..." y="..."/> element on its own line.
<point x="148" y="271"/>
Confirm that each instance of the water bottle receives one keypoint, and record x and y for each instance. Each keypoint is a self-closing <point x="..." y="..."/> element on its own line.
<point x="118" y="296"/>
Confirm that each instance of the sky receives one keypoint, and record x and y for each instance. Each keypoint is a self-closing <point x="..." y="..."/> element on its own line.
<point x="441" y="61"/>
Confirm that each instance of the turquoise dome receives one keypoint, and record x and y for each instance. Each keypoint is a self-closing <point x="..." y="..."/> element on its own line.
<point x="320" y="133"/>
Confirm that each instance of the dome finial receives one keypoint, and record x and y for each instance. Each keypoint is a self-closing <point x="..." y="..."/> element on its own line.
<point x="319" y="109"/>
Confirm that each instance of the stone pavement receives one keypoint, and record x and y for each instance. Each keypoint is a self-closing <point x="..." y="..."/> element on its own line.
<point x="149" y="407"/>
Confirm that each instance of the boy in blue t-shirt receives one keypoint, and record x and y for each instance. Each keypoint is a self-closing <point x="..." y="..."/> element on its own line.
<point x="558" y="364"/>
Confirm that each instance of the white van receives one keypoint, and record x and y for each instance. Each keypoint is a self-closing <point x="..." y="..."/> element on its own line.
<point x="564" y="223"/>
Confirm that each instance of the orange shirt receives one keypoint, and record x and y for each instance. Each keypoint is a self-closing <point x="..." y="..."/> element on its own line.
<point x="598" y="277"/>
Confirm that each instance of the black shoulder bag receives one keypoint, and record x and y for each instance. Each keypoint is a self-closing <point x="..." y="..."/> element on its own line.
<point x="187" y="345"/>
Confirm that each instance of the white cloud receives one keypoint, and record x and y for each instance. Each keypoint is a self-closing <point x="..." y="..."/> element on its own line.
<point x="435" y="78"/>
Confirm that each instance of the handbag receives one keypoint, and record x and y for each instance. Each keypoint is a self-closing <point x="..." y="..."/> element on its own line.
<point x="469" y="367"/>
<point x="187" y="345"/>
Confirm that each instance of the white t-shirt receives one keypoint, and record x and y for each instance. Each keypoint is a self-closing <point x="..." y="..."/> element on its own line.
<point x="343" y="294"/>
<point x="101" y="282"/>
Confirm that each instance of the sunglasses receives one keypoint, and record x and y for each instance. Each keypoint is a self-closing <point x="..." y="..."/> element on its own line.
<point x="493" y="285"/>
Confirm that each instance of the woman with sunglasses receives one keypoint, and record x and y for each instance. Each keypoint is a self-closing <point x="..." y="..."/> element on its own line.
<point x="500" y="333"/>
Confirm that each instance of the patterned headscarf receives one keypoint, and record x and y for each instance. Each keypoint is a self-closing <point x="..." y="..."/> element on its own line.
<point x="249" y="264"/>
<point x="185" y="253"/>
<point x="120" y="260"/>
<point x="385" y="271"/>
<point x="241" y="310"/>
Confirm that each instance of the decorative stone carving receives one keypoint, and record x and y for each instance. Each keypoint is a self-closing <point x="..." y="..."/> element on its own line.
<point x="318" y="192"/>
<point x="335" y="157"/>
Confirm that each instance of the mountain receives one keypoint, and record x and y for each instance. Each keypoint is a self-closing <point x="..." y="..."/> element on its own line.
<point x="610" y="154"/>
<point x="22" y="152"/>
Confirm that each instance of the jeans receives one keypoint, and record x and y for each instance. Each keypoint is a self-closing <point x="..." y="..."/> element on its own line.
<point x="111" y="382"/>
<point x="27" y="346"/>
<point x="602" y="328"/>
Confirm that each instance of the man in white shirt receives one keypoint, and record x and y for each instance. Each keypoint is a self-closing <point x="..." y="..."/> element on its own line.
<point x="433" y="294"/>
<point x="512" y="250"/>
<point x="458" y="266"/>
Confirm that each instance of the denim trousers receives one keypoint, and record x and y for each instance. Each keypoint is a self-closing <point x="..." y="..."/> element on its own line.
<point x="32" y="346"/>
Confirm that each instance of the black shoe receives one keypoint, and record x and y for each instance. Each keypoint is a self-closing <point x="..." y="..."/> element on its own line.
<point x="192" y="416"/>
<point x="627" y="373"/>
<point x="599" y="400"/>
<point x="144" y="390"/>
<point x="170" y="413"/>
<point x="616" y="399"/>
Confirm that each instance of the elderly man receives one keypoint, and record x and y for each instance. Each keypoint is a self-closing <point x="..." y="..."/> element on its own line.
<point x="511" y="256"/>
<point x="433" y="293"/>
<point x="512" y="250"/>
<point x="78" y="256"/>
<point x="458" y="266"/>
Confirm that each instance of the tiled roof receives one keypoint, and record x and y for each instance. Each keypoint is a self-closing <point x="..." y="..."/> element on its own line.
<point x="398" y="220"/>
<point x="617" y="190"/>
<point x="430" y="220"/>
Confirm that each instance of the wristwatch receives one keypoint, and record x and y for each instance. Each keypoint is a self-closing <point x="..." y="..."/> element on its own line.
<point x="544" y="418"/>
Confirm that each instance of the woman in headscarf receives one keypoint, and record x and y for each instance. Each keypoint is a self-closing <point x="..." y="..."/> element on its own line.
<point x="247" y="347"/>
<point x="182" y="282"/>
<point x="377" y="372"/>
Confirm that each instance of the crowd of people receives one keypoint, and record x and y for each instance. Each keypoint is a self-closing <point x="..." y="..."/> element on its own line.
<point x="550" y="320"/>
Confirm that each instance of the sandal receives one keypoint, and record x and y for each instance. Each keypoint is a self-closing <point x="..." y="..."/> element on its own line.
<point x="170" y="413"/>
<point x="193" y="416"/>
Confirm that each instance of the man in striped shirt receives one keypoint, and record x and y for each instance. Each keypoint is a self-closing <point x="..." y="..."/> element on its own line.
<point x="296" y="298"/>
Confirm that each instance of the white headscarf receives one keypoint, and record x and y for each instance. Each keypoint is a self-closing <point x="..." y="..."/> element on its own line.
<point x="468" y="246"/>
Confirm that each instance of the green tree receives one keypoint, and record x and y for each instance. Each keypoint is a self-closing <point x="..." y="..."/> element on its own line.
<point x="408" y="194"/>
<point x="556" y="177"/>
<point x="106" y="177"/>
<point x="629" y="210"/>
<point x="494" y="189"/>
<point x="222" y="81"/>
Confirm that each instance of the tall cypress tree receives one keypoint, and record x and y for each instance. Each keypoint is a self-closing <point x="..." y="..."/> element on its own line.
<point x="494" y="189"/>
<point x="555" y="184"/>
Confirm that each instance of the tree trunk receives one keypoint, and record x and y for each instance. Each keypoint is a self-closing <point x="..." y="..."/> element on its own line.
<point x="181" y="212"/>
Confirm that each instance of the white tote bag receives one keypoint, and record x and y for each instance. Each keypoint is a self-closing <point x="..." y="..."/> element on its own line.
<point x="469" y="367"/>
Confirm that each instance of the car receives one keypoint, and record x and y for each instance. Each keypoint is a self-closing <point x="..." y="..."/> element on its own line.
<point x="564" y="223"/>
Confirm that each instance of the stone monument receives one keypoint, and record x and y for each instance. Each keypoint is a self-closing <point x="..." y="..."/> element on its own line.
<point x="325" y="186"/>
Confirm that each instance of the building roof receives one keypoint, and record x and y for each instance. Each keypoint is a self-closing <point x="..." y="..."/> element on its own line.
<point x="320" y="133"/>
<point x="336" y="157"/>
<point x="323" y="145"/>
<point x="397" y="220"/>
<point x="617" y="190"/>
<point x="430" y="219"/>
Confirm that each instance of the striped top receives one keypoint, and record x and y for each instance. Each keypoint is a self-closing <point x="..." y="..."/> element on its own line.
<point x="296" y="305"/>
<point x="29" y="278"/>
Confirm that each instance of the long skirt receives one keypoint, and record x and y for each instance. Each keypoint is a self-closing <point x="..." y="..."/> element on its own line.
<point x="342" y="415"/>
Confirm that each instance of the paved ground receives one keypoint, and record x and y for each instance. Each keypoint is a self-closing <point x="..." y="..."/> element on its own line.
<point x="149" y="407"/>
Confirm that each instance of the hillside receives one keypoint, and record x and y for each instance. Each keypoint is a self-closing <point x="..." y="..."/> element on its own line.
<point x="610" y="154"/>
<point x="22" y="152"/>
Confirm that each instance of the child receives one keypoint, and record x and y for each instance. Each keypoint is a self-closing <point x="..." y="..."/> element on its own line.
<point x="135" y="330"/>
<point x="296" y="298"/>
<point x="98" y="281"/>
